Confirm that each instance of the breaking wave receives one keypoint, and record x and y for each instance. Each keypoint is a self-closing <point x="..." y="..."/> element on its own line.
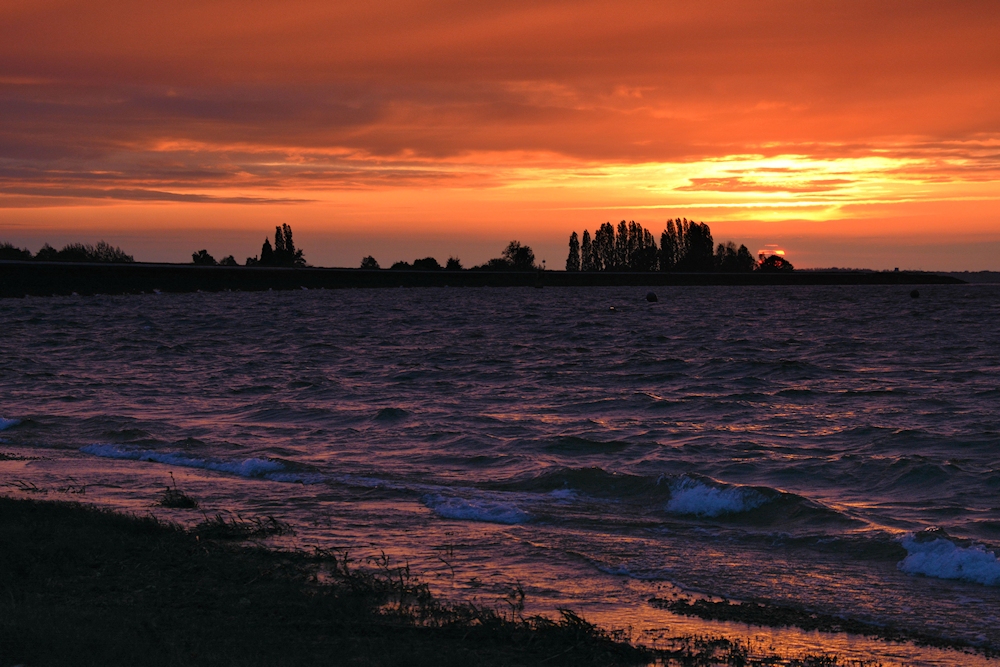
<point x="693" y="496"/>
<point x="943" y="559"/>
<point x="490" y="511"/>
<point x="256" y="467"/>
<point x="8" y="423"/>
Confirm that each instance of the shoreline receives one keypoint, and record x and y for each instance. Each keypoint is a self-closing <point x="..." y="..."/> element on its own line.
<point x="86" y="580"/>
<point x="19" y="279"/>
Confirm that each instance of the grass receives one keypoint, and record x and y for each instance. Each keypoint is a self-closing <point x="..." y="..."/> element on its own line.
<point x="84" y="586"/>
<point x="236" y="527"/>
<point x="175" y="498"/>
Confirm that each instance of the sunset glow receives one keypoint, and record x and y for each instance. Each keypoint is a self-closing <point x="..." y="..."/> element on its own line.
<point x="450" y="128"/>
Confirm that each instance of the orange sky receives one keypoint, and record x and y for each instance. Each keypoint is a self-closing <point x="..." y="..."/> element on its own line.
<point x="852" y="133"/>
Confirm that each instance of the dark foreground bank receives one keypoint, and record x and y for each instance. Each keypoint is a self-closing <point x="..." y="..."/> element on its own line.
<point x="19" y="279"/>
<point x="84" y="586"/>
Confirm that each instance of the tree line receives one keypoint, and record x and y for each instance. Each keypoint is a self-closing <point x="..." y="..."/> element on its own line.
<point x="685" y="245"/>
<point x="515" y="257"/>
<point x="72" y="252"/>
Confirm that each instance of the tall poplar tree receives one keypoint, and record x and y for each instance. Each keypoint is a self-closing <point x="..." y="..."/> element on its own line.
<point x="587" y="252"/>
<point x="573" y="261"/>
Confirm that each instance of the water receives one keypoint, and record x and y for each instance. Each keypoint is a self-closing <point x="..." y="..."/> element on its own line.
<point x="834" y="448"/>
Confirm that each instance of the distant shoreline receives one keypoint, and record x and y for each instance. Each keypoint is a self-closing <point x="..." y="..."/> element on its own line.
<point x="18" y="279"/>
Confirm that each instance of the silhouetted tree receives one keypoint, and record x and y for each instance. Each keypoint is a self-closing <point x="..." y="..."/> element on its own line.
<point x="284" y="252"/>
<point x="266" y="254"/>
<point x="400" y="266"/>
<point x="620" y="258"/>
<point x="604" y="247"/>
<point x="453" y="264"/>
<point x="228" y="261"/>
<point x="520" y="257"/>
<point x="202" y="258"/>
<point x="426" y="264"/>
<point x="686" y="245"/>
<point x="586" y="253"/>
<point x="744" y="260"/>
<point x="774" y="263"/>
<point x="725" y="257"/>
<point x="668" y="247"/>
<point x="10" y="251"/>
<point x="369" y="263"/>
<point x="573" y="261"/>
<point x="46" y="254"/>
<point x="84" y="252"/>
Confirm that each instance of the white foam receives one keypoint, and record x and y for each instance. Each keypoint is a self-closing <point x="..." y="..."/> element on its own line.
<point x="943" y="559"/>
<point x="691" y="496"/>
<point x="253" y="467"/>
<point x="564" y="495"/>
<point x="8" y="423"/>
<point x="490" y="511"/>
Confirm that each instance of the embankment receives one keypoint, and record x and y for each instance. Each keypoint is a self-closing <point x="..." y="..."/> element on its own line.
<point x="18" y="279"/>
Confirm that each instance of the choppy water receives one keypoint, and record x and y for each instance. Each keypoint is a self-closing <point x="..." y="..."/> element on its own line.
<point x="837" y="448"/>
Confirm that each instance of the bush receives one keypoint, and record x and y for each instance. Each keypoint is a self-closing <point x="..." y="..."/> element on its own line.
<point x="426" y="264"/>
<point x="202" y="258"/>
<point x="9" y="251"/>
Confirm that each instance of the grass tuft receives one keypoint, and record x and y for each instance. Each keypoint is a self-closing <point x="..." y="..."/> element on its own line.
<point x="174" y="498"/>
<point x="237" y="527"/>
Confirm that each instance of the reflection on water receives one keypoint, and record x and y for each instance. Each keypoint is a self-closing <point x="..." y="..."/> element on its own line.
<point x="828" y="447"/>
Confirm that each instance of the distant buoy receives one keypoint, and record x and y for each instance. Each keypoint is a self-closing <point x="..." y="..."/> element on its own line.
<point x="914" y="294"/>
<point x="612" y="307"/>
<point x="651" y="297"/>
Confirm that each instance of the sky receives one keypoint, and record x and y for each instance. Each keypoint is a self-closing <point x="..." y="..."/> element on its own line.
<point x="850" y="133"/>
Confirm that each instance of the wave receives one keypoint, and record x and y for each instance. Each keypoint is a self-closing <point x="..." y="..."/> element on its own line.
<point x="943" y="559"/>
<point x="8" y="423"/>
<point x="694" y="497"/>
<point x="689" y="497"/>
<point x="256" y="467"/>
<point x="480" y="509"/>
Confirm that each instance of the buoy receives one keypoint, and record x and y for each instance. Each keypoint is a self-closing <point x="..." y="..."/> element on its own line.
<point x="651" y="297"/>
<point x="914" y="294"/>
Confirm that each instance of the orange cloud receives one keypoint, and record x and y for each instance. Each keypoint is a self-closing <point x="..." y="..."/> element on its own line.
<point x="731" y="108"/>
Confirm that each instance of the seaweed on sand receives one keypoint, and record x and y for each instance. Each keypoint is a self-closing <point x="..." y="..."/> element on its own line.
<point x="776" y="615"/>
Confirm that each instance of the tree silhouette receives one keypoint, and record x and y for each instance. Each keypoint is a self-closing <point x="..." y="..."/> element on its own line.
<point x="587" y="253"/>
<point x="10" y="251"/>
<point x="620" y="257"/>
<point x="202" y="258"/>
<point x="283" y="253"/>
<point x="266" y="254"/>
<point x="369" y="263"/>
<point x="228" y="261"/>
<point x="774" y="263"/>
<point x="84" y="252"/>
<point x="573" y="261"/>
<point x="519" y="257"/>
<point x="426" y="264"/>
<point x="744" y="260"/>
<point x="453" y="264"/>
<point x="685" y="245"/>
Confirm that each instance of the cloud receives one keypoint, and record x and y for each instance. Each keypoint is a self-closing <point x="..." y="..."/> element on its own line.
<point x="231" y="101"/>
